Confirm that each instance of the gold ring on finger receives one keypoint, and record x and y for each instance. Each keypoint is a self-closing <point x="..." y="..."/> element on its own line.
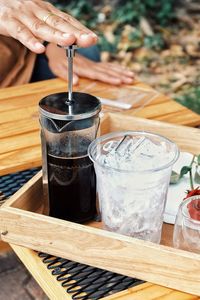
<point x="47" y="16"/>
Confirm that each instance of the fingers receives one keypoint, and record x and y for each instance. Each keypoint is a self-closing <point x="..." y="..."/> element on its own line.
<point x="104" y="77"/>
<point x="90" y="37"/>
<point x="94" y="73"/>
<point x="117" y="73"/>
<point x="45" y="32"/>
<point x="66" y="26"/>
<point x="20" y="32"/>
<point x="70" y="20"/>
<point x="104" y="72"/>
<point x="34" y="21"/>
<point x="119" y="69"/>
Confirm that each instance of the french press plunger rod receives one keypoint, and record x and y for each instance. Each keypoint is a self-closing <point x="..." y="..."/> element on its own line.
<point x="70" y="52"/>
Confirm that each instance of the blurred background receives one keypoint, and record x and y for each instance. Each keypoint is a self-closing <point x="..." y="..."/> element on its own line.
<point x="158" y="39"/>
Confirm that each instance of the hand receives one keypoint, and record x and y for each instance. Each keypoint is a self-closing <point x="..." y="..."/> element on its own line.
<point x="83" y="67"/>
<point x="33" y="21"/>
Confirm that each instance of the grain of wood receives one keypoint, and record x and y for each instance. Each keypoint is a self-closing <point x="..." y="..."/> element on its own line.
<point x="153" y="111"/>
<point x="177" y="133"/>
<point x="19" y="124"/>
<point x="19" y="160"/>
<point x="124" y="255"/>
<point x="41" y="87"/>
<point x="43" y="276"/>
<point x="128" y="291"/>
<point x="184" y="117"/>
<point x="148" y="291"/>
<point x="19" y="142"/>
<point x="24" y="113"/>
<point x="23" y="126"/>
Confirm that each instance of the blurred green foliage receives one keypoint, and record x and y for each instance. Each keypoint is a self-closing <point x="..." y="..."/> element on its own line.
<point x="158" y="13"/>
<point x="191" y="98"/>
<point x="82" y="10"/>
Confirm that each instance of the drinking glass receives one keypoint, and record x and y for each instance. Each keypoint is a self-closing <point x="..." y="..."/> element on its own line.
<point x="133" y="171"/>
<point x="187" y="226"/>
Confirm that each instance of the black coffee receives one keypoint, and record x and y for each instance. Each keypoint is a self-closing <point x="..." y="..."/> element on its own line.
<point x="72" y="188"/>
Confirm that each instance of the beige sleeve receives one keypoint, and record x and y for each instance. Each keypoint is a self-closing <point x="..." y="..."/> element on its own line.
<point x="16" y="62"/>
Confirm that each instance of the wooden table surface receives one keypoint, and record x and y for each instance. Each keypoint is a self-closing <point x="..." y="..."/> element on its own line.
<point x="20" y="149"/>
<point x="19" y="125"/>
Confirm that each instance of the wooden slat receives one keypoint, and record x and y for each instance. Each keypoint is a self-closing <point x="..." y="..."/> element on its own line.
<point x="12" y="129"/>
<point x="177" y="133"/>
<point x="46" y="87"/>
<point x="22" y="159"/>
<point x="184" y="117"/>
<point x="153" y="111"/>
<point x="124" y="255"/>
<point x="38" y="269"/>
<point x="148" y="291"/>
<point x="128" y="292"/>
<point x="54" y="290"/>
<point x="41" y="87"/>
<point x="19" y="114"/>
<point x="21" y="141"/>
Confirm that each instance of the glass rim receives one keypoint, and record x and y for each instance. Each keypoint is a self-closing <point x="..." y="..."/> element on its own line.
<point x="184" y="203"/>
<point x="133" y="132"/>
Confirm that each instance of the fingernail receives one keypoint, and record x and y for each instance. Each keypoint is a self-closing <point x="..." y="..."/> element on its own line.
<point x="67" y="35"/>
<point x="84" y="36"/>
<point x="39" y="45"/>
<point x="94" y="35"/>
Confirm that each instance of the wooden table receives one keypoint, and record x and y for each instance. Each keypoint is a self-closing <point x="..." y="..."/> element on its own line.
<point x="20" y="149"/>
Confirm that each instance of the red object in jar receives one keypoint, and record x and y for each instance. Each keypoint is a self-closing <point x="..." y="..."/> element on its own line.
<point x="194" y="205"/>
<point x="194" y="209"/>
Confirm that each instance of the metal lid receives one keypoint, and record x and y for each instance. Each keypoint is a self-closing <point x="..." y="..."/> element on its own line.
<point x="56" y="106"/>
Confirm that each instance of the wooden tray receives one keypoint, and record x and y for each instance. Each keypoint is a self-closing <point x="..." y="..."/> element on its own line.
<point x="22" y="223"/>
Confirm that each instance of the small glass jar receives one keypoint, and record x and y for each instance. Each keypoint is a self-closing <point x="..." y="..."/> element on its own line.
<point x="187" y="226"/>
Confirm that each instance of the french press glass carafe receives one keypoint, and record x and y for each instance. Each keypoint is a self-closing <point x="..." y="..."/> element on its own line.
<point x="67" y="129"/>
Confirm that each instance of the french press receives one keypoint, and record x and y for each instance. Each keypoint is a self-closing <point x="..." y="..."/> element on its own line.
<point x="69" y="122"/>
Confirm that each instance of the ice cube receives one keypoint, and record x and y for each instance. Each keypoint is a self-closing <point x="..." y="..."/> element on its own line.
<point x="135" y="153"/>
<point x="110" y="146"/>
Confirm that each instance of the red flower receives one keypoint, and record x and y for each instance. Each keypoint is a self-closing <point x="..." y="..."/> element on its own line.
<point x="194" y="209"/>
<point x="194" y="205"/>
